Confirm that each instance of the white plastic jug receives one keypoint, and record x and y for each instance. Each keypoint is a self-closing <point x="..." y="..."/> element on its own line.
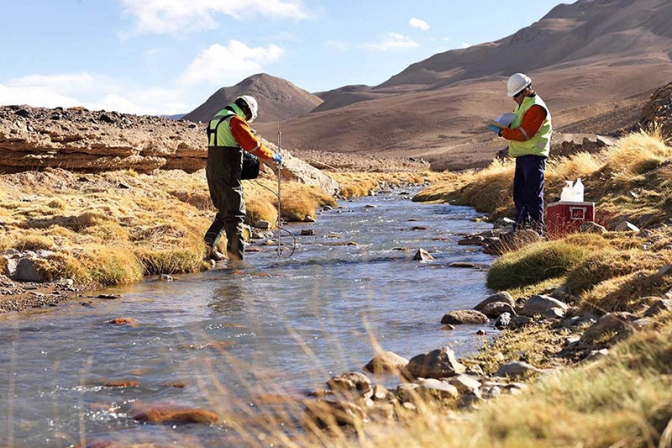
<point x="578" y="190"/>
<point x="567" y="192"/>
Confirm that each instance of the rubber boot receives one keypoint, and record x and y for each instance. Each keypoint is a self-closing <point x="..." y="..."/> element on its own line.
<point x="235" y="248"/>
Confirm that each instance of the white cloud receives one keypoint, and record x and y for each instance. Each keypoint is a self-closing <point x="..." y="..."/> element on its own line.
<point x="419" y="24"/>
<point x="392" y="41"/>
<point x="221" y="64"/>
<point x="35" y="96"/>
<point x="183" y="16"/>
<point x="339" y="45"/>
<point x="95" y="92"/>
<point x="465" y="45"/>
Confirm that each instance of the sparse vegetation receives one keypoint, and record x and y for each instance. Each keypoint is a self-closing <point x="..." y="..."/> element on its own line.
<point x="620" y="400"/>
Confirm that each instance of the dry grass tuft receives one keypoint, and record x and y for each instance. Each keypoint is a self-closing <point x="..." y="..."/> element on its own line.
<point x="105" y="234"/>
<point x="638" y="153"/>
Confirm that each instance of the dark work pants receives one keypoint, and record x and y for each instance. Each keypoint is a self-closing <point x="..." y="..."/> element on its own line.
<point x="528" y="192"/>
<point x="223" y="171"/>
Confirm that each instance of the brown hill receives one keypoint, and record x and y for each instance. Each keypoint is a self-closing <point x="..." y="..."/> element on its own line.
<point x="278" y="99"/>
<point x="595" y="62"/>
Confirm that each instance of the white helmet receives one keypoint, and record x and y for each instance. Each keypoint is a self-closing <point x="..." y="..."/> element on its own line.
<point x="251" y="104"/>
<point x="517" y="83"/>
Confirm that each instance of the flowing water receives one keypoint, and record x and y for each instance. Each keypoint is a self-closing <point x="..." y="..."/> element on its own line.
<point x="232" y="340"/>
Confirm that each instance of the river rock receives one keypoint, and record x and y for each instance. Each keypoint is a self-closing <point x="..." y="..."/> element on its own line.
<point x="503" y="321"/>
<point x="658" y="306"/>
<point x="592" y="227"/>
<point x="331" y="414"/>
<point x="500" y="297"/>
<point x="496" y="309"/>
<point x="433" y="388"/>
<point x="350" y="382"/>
<point x="465" y="384"/>
<point x="386" y="362"/>
<point x="608" y="324"/>
<point x="626" y="226"/>
<point x="540" y="304"/>
<point x="167" y="413"/>
<point x="464" y="317"/>
<point x="122" y="321"/>
<point x="422" y="255"/>
<point x="516" y="369"/>
<point x="435" y="364"/>
<point x="27" y="270"/>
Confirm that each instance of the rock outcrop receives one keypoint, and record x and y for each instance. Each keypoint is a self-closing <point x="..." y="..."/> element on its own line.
<point x="658" y="111"/>
<point x="93" y="141"/>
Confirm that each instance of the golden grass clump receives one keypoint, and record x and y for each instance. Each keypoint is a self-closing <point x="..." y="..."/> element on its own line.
<point x="488" y="190"/>
<point x="302" y="201"/>
<point x="57" y="203"/>
<point x="34" y="241"/>
<point x="638" y="153"/>
<point x="100" y="264"/>
<point x="199" y="199"/>
<point x="261" y="202"/>
<point x="625" y="293"/>
<point x="577" y="165"/>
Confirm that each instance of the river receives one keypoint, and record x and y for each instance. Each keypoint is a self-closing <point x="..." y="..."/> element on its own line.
<point x="222" y="339"/>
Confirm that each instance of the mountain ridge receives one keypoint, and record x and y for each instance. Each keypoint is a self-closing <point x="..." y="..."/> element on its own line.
<point x="278" y="99"/>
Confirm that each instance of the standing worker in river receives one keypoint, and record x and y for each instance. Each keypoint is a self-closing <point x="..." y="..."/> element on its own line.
<point x="529" y="138"/>
<point x="229" y="134"/>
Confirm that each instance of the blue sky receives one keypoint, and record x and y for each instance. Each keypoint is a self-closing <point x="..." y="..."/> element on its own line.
<point x="169" y="56"/>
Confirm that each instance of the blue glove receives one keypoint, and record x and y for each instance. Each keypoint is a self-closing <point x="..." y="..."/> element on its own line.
<point x="494" y="129"/>
<point x="277" y="158"/>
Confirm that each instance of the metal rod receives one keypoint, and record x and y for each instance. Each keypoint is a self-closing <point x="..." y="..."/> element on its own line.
<point x="279" y="200"/>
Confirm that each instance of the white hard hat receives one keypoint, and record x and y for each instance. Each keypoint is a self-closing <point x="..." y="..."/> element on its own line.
<point x="517" y="83"/>
<point x="251" y="104"/>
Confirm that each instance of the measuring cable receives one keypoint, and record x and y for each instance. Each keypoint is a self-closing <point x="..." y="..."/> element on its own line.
<point x="279" y="250"/>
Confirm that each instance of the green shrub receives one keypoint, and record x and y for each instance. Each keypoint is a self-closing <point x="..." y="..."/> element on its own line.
<point x="533" y="264"/>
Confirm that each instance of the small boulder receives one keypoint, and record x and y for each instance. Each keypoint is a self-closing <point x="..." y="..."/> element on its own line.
<point x="464" y="317"/>
<point x="540" y="304"/>
<point x="422" y="255"/>
<point x="609" y="323"/>
<point x="503" y="321"/>
<point x="592" y="227"/>
<point x="435" y="364"/>
<point x="350" y="382"/>
<point x="496" y="309"/>
<point x="500" y="297"/>
<point x="160" y="413"/>
<point x="626" y="226"/>
<point x="658" y="306"/>
<point x="386" y="362"/>
<point x="517" y="369"/>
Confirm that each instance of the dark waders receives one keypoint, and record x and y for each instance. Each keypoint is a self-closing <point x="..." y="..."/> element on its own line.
<point x="223" y="171"/>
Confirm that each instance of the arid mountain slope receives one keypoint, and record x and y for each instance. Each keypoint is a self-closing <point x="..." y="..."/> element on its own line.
<point x="592" y="61"/>
<point x="278" y="99"/>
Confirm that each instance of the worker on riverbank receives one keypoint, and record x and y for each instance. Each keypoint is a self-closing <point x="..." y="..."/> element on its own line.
<point x="229" y="134"/>
<point x="529" y="137"/>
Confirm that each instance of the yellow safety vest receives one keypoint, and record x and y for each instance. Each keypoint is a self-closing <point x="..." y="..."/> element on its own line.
<point x="540" y="143"/>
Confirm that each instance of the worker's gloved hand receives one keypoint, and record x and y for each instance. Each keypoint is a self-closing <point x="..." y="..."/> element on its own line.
<point x="494" y="129"/>
<point x="277" y="158"/>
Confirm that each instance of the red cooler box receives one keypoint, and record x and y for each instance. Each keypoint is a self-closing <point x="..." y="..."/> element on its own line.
<point x="566" y="217"/>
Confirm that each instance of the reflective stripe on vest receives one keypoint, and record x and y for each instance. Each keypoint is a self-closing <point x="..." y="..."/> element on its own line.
<point x="540" y="143"/>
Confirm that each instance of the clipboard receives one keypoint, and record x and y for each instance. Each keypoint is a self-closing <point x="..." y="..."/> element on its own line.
<point x="495" y="123"/>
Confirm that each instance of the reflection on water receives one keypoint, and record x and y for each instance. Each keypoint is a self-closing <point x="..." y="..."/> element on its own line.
<point x="222" y="339"/>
